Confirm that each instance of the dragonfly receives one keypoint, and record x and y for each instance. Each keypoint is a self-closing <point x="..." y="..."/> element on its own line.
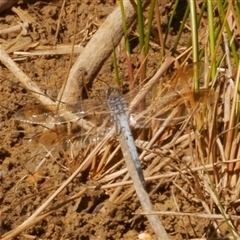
<point x="118" y="108"/>
<point x="93" y="119"/>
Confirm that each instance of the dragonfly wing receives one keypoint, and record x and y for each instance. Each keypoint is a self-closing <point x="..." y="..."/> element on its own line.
<point x="34" y="114"/>
<point x="159" y="110"/>
<point x="38" y="114"/>
<point x="90" y="121"/>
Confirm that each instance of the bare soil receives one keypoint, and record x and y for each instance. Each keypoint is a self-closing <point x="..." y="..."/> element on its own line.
<point x="23" y="189"/>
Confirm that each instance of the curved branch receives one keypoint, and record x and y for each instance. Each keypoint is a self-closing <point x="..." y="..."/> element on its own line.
<point x="97" y="51"/>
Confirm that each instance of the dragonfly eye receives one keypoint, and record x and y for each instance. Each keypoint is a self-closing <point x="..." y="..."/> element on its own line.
<point x="112" y="93"/>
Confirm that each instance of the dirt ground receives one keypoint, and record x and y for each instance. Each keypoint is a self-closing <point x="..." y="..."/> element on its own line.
<point x="23" y="189"/>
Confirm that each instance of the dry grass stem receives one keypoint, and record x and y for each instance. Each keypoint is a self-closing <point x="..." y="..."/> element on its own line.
<point x="197" y="215"/>
<point x="51" y="50"/>
<point x="23" y="78"/>
<point x="15" y="28"/>
<point x="31" y="221"/>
